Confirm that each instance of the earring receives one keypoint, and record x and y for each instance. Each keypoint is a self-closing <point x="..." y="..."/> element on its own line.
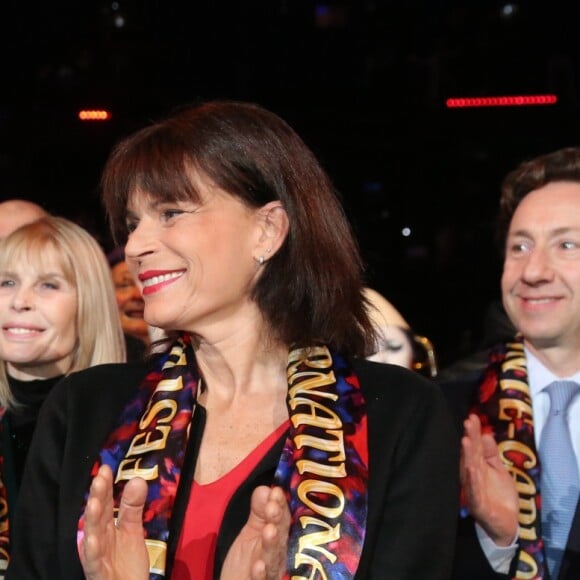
<point x="260" y="260"/>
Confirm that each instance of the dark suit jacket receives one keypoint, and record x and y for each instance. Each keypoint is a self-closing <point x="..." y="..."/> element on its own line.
<point x="413" y="476"/>
<point x="470" y="562"/>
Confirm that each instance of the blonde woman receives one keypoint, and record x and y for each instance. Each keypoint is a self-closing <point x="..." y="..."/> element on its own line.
<point x="58" y="315"/>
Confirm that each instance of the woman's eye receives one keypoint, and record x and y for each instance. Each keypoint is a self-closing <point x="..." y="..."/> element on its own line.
<point x="50" y="285"/>
<point x="393" y="346"/>
<point x="171" y="213"/>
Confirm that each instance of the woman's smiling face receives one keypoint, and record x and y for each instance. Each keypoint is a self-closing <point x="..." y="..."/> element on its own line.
<point x="194" y="261"/>
<point x="38" y="309"/>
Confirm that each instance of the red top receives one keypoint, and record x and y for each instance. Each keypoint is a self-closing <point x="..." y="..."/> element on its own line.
<point x="194" y="558"/>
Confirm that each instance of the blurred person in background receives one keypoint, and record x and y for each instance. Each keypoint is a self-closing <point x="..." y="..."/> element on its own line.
<point x="130" y="302"/>
<point x="396" y="342"/>
<point x="17" y="212"/>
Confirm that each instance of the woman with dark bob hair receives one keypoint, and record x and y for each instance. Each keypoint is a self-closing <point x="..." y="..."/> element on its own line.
<point x="256" y="442"/>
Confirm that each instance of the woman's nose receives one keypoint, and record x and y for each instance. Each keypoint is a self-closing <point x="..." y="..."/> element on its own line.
<point x="23" y="300"/>
<point x="140" y="240"/>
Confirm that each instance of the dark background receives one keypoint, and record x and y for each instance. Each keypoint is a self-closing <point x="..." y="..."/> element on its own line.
<point x="364" y="82"/>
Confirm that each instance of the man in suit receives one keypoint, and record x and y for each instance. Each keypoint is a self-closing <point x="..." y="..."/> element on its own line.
<point x="509" y="414"/>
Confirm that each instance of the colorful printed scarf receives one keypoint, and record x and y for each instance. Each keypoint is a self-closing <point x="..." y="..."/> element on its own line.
<point x="4" y="522"/>
<point x="323" y="467"/>
<point x="504" y="407"/>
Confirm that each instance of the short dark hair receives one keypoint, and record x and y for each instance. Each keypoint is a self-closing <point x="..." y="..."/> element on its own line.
<point x="560" y="165"/>
<point x="311" y="290"/>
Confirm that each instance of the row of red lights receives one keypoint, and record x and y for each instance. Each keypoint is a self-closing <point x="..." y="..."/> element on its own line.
<point x="506" y="101"/>
<point x="451" y="103"/>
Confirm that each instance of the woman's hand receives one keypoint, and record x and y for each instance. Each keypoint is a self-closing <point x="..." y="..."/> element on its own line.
<point x="259" y="552"/>
<point x="112" y="551"/>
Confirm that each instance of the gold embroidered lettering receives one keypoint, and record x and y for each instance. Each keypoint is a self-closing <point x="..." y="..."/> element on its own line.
<point x="306" y="466"/>
<point x="524" y="483"/>
<point x="157" y="551"/>
<point x="531" y="572"/>
<point x="516" y="385"/>
<point x="331" y="421"/>
<point x="149" y="444"/>
<point x="314" y="540"/>
<point x="176" y="358"/>
<point x="3" y="516"/>
<point x="335" y="445"/>
<point x="129" y="468"/>
<point x="315" y="357"/>
<point x="527" y="517"/>
<point x="512" y="411"/>
<point x="307" y="386"/>
<point x="317" y="567"/>
<point x="504" y="447"/>
<point x="515" y="364"/>
<point x="168" y="385"/>
<point x="314" y="487"/>
<point x="157" y="409"/>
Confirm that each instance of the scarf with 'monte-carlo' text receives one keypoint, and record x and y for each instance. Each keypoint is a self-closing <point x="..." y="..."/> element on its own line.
<point x="504" y="407"/>
<point x="323" y="468"/>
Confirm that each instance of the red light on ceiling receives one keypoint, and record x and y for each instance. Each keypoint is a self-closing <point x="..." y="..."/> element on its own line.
<point x="507" y="101"/>
<point x="94" y="115"/>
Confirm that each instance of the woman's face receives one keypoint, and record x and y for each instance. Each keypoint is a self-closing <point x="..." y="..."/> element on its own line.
<point x="194" y="262"/>
<point x="38" y="309"/>
<point x="130" y="302"/>
<point x="393" y="346"/>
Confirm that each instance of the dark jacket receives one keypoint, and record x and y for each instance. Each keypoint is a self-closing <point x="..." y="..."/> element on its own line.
<point x="470" y="562"/>
<point x="413" y="475"/>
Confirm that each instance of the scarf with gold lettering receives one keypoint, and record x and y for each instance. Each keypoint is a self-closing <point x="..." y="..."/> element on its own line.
<point x="323" y="468"/>
<point x="504" y="406"/>
<point x="4" y="523"/>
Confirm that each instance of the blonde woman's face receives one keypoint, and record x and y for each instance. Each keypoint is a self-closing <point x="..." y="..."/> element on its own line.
<point x="38" y="309"/>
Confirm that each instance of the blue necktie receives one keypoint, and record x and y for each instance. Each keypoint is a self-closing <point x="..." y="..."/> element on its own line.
<point x="559" y="470"/>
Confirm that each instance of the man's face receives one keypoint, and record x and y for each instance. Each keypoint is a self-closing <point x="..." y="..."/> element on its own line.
<point x="541" y="274"/>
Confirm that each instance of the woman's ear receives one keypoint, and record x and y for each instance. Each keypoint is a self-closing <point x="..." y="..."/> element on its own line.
<point x="273" y="229"/>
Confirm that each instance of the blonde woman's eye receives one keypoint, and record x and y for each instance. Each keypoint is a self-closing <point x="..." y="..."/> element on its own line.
<point x="50" y="285"/>
<point x="394" y="346"/>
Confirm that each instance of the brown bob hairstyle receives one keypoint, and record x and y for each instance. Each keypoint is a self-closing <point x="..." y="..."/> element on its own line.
<point x="311" y="290"/>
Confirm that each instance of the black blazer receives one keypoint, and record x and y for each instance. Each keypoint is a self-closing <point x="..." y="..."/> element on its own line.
<point x="413" y="475"/>
<point x="470" y="563"/>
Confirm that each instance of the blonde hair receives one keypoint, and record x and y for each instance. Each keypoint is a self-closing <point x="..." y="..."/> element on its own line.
<point x="100" y="336"/>
<point x="381" y="311"/>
